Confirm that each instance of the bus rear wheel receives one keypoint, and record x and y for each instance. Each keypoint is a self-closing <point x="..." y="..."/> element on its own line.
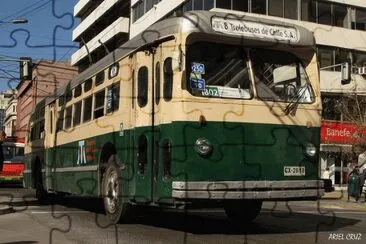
<point x="115" y="207"/>
<point x="243" y="211"/>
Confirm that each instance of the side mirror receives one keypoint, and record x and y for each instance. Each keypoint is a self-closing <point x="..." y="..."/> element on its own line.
<point x="346" y="73"/>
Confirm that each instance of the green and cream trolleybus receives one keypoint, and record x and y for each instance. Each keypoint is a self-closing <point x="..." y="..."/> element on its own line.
<point x="205" y="109"/>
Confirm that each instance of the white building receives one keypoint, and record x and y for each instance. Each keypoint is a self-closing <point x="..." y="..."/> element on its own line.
<point x="5" y="97"/>
<point x="339" y="28"/>
<point x="10" y="117"/>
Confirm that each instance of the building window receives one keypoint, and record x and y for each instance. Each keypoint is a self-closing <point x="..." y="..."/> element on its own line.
<point x="275" y="8"/>
<point x="290" y="9"/>
<point x="240" y="5"/>
<point x="340" y="15"/>
<point x="142" y="86"/>
<point x="77" y="113"/>
<point x="359" y="59"/>
<point x="87" y="109"/>
<point x="340" y="56"/>
<point x="359" y="19"/>
<point x="113" y="98"/>
<point x="138" y="10"/>
<point x="259" y="6"/>
<point x="225" y="4"/>
<point x="324" y="13"/>
<point x="99" y="104"/>
<point x="197" y="4"/>
<point x="208" y="4"/>
<point x="188" y="6"/>
<point x="68" y="117"/>
<point x="325" y="57"/>
<point x="308" y="10"/>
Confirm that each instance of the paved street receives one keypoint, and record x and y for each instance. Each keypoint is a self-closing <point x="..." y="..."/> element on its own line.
<point x="77" y="220"/>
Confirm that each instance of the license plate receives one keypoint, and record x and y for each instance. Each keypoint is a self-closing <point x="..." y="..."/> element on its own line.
<point x="293" y="171"/>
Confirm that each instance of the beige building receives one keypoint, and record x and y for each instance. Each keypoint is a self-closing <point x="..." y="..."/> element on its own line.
<point x="47" y="76"/>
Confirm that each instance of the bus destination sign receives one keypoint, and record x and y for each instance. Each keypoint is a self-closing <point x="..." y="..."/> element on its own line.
<point x="253" y="29"/>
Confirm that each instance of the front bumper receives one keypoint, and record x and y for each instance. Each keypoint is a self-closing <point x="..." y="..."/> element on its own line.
<point x="265" y="190"/>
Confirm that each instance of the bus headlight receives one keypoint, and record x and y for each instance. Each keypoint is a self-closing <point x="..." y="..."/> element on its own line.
<point x="310" y="149"/>
<point x="203" y="146"/>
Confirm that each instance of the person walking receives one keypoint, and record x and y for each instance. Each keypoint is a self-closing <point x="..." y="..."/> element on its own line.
<point x="362" y="169"/>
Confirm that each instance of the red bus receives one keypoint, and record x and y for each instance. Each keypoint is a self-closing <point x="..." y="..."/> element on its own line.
<point x="13" y="167"/>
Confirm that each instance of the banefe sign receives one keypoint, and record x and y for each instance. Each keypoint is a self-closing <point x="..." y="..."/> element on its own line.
<point x="254" y="29"/>
<point x="342" y="133"/>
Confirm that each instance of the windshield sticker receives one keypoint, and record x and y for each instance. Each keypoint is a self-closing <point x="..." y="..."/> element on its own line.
<point x="198" y="84"/>
<point x="211" y="91"/>
<point x="195" y="76"/>
<point x="226" y="92"/>
<point x="198" y="68"/>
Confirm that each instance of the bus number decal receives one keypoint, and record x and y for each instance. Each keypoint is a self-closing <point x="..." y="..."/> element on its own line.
<point x="211" y="91"/>
<point x="198" y="68"/>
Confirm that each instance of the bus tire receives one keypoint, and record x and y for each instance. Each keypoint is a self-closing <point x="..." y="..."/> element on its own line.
<point x="115" y="207"/>
<point x="243" y="211"/>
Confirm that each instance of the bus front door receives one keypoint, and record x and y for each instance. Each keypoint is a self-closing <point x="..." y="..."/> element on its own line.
<point x="143" y="119"/>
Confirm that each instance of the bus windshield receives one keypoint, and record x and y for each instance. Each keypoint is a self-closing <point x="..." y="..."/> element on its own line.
<point x="280" y="76"/>
<point x="216" y="70"/>
<point x="13" y="152"/>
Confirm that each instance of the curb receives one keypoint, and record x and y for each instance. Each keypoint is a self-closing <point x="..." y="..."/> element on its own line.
<point x="6" y="209"/>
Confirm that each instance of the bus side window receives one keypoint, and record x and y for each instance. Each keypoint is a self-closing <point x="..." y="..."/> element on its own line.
<point x="60" y="121"/>
<point x="142" y="79"/>
<point x="168" y="79"/>
<point x="88" y="85"/>
<point x="41" y="129"/>
<point x="99" y="104"/>
<point x="157" y="83"/>
<point x="77" y="113"/>
<point x="87" y="109"/>
<point x="113" y="98"/>
<point x="68" y="117"/>
<point x="99" y="79"/>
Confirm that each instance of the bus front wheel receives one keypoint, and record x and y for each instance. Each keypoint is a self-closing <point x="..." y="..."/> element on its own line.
<point x="115" y="207"/>
<point x="243" y="211"/>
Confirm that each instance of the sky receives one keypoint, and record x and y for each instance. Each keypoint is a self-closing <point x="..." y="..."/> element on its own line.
<point x="47" y="35"/>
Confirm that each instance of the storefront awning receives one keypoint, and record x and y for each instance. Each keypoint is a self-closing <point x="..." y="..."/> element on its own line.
<point x="336" y="148"/>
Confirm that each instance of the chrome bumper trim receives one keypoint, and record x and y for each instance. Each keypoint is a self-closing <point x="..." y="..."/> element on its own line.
<point x="237" y="185"/>
<point x="287" y="194"/>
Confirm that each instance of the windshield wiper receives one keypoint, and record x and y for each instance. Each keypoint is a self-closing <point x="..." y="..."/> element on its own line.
<point x="291" y="107"/>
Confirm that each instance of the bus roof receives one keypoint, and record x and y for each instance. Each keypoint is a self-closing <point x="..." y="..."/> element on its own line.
<point x="189" y="22"/>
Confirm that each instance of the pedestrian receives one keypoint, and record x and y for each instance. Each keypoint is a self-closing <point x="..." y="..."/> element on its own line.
<point x="326" y="174"/>
<point x="354" y="184"/>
